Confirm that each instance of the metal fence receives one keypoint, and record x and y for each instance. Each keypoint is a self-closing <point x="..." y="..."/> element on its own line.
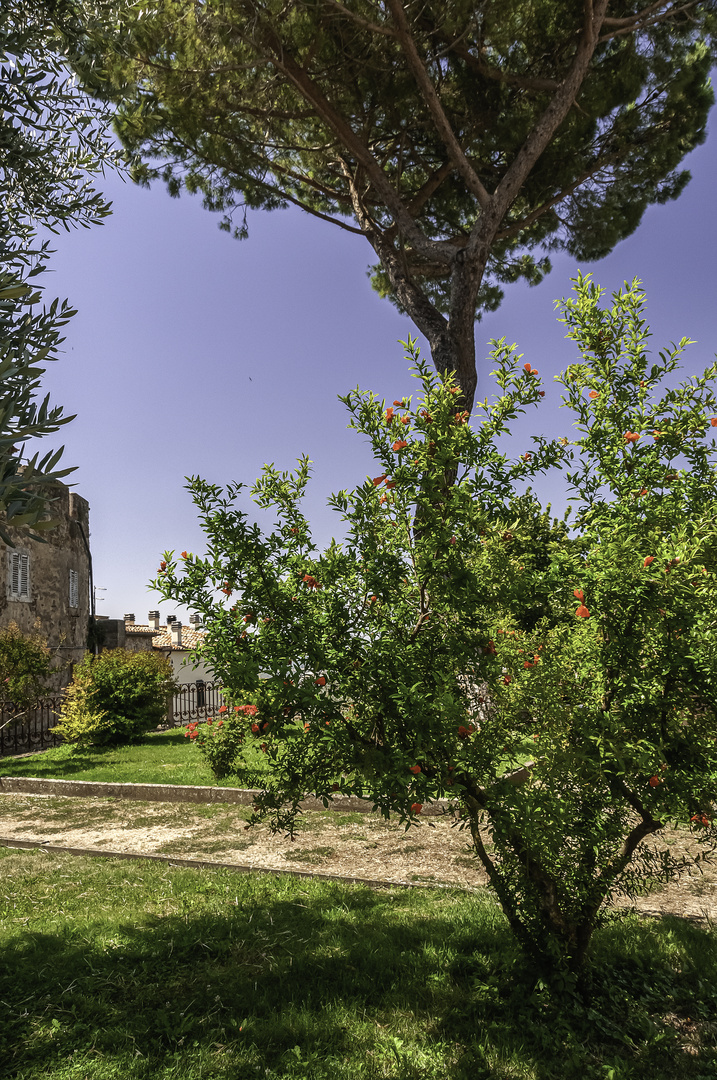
<point x="195" y="701"/>
<point x="23" y="731"/>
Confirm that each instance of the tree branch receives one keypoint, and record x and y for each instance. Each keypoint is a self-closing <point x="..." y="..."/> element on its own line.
<point x="432" y="100"/>
<point x="376" y="28"/>
<point x="285" y="62"/>
<point x="651" y="21"/>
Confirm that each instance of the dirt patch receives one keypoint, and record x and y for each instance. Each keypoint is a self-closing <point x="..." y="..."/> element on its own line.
<point x="351" y="844"/>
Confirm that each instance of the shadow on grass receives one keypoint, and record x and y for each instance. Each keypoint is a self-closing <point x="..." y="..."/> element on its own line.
<point x="258" y="976"/>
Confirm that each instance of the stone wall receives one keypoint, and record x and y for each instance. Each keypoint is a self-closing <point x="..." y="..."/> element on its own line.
<point x="45" y="604"/>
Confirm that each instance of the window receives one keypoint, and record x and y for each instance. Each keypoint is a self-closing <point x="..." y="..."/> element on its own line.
<point x="19" y="583"/>
<point x="74" y="589"/>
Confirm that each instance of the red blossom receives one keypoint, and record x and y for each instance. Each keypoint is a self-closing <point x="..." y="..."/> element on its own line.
<point x="255" y="729"/>
<point x="631" y="437"/>
<point x="311" y="582"/>
<point x="507" y="679"/>
<point x="321" y="681"/>
<point x="415" y="769"/>
<point x="378" y="479"/>
<point x="593" y="394"/>
<point x="654" y="781"/>
<point x="389" y="416"/>
<point x="700" y="819"/>
<point x="649" y="560"/>
<point x="399" y="444"/>
<point x="582" y="612"/>
<point x="390" y="483"/>
<point x="713" y="421"/>
<point x="416" y="807"/>
<point x="578" y="594"/>
<point x="223" y="709"/>
<point x="184" y="555"/>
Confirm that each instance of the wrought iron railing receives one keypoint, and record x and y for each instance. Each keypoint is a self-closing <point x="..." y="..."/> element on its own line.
<point x="195" y="701"/>
<point x="24" y="730"/>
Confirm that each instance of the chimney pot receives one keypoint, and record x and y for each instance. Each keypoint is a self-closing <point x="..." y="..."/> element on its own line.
<point x="153" y="619"/>
<point x="176" y="630"/>
<point x="195" y="621"/>
<point x="171" y="619"/>
<point x="129" y="618"/>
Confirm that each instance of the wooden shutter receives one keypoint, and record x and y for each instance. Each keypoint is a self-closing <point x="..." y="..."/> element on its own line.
<point x="19" y="574"/>
<point x="74" y="589"/>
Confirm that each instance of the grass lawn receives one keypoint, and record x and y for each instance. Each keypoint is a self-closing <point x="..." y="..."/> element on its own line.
<point x="162" y="757"/>
<point x="129" y="971"/>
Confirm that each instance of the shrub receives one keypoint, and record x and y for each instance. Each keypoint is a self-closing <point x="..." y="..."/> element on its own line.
<point x="116" y="697"/>
<point x="25" y="666"/>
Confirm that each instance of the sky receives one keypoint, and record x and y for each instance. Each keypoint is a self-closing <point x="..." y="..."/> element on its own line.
<point x="196" y="354"/>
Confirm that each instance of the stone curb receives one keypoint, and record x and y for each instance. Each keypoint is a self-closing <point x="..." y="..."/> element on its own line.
<point x="31" y="785"/>
<point x="239" y="868"/>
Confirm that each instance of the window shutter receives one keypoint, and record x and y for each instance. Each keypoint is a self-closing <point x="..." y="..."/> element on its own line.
<point x="24" y="575"/>
<point x="19" y="575"/>
<point x="74" y="589"/>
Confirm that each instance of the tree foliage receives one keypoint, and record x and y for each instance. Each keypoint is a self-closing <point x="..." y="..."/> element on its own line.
<point x="464" y="141"/>
<point x="51" y="138"/>
<point x="558" y="685"/>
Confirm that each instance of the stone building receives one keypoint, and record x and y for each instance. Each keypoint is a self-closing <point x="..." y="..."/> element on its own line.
<point x="47" y="582"/>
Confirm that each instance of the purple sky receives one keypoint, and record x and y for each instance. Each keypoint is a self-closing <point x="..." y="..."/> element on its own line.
<point x="195" y="354"/>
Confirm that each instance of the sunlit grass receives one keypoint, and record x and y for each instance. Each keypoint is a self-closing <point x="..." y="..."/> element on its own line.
<point x="162" y="757"/>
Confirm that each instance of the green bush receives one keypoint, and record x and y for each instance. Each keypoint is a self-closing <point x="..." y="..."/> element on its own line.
<point x="116" y="697"/>
<point x="25" y="666"/>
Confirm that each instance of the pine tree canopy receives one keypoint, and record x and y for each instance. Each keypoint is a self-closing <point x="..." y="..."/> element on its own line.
<point x="465" y="139"/>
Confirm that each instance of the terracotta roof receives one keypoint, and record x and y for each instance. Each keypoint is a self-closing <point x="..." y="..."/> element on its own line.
<point x="190" y="639"/>
<point x="162" y="639"/>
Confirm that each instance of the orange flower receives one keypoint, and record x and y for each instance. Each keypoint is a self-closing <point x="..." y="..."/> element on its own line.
<point x="530" y="370"/>
<point x="390" y="483"/>
<point x="593" y="394"/>
<point x="311" y="582"/>
<point x="378" y="479"/>
<point x="405" y="419"/>
<point x="582" y="612"/>
<point x="321" y="681"/>
<point x="700" y="819"/>
<point x="713" y="421"/>
<point x="383" y="498"/>
<point x="578" y="594"/>
<point x="399" y="444"/>
<point x="527" y="457"/>
<point x="527" y="664"/>
<point x="415" y="769"/>
<point x="426" y="416"/>
<point x="631" y="437"/>
<point x="184" y="555"/>
<point x="223" y="708"/>
<point x="654" y="781"/>
<point x="507" y="679"/>
<point x="649" y="560"/>
<point x="389" y="415"/>
<point x="542" y="393"/>
<point x="398" y="402"/>
<point x="416" y="807"/>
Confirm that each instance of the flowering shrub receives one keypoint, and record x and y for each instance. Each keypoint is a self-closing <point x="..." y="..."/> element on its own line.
<point x="221" y="739"/>
<point x="558" y="683"/>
